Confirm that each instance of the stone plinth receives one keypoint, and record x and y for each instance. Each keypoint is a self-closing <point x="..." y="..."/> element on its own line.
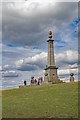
<point x="71" y="77"/>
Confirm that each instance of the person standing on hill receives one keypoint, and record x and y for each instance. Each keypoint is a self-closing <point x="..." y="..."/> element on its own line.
<point x="25" y="82"/>
<point x="35" y="81"/>
<point x="38" y="81"/>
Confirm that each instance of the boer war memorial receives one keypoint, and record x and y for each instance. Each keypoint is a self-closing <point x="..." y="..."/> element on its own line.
<point x="51" y="69"/>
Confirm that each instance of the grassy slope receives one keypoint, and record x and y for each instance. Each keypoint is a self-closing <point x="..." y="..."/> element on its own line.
<point x="59" y="100"/>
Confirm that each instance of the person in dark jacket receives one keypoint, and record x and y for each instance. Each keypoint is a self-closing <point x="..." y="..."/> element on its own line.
<point x="25" y="82"/>
<point x="38" y="82"/>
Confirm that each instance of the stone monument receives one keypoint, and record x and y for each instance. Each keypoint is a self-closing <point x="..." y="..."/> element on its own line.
<point x="51" y="69"/>
<point x="71" y="77"/>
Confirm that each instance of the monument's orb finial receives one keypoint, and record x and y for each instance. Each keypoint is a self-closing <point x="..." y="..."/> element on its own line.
<point x="50" y="32"/>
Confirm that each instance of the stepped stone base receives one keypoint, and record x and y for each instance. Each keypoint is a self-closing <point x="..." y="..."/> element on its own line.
<point x="51" y="75"/>
<point x="56" y="81"/>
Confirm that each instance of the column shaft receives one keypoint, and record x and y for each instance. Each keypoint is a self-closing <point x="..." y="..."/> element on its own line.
<point x="51" y="61"/>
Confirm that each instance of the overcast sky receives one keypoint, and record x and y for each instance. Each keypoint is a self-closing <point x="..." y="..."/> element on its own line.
<point x="25" y="27"/>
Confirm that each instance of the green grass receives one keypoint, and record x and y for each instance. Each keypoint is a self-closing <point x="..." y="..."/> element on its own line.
<point x="57" y="101"/>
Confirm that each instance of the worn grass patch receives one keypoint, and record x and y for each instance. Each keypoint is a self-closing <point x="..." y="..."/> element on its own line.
<point x="55" y="101"/>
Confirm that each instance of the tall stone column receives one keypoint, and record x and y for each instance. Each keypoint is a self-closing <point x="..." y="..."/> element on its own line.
<point x="51" y="61"/>
<point x="51" y="69"/>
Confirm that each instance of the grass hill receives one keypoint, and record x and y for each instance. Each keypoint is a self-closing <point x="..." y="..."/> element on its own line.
<point x="49" y="101"/>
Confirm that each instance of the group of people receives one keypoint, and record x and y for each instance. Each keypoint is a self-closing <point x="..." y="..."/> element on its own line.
<point x="36" y="82"/>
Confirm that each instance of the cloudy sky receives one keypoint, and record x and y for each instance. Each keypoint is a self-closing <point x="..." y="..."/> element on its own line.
<point x="25" y="27"/>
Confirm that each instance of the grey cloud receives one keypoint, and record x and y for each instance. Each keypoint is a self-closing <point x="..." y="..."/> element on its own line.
<point x="36" y="62"/>
<point x="28" y="67"/>
<point x="39" y="61"/>
<point x="20" y="28"/>
<point x="23" y="29"/>
<point x="9" y="74"/>
<point x="68" y="57"/>
<point x="10" y="54"/>
<point x="6" y="67"/>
